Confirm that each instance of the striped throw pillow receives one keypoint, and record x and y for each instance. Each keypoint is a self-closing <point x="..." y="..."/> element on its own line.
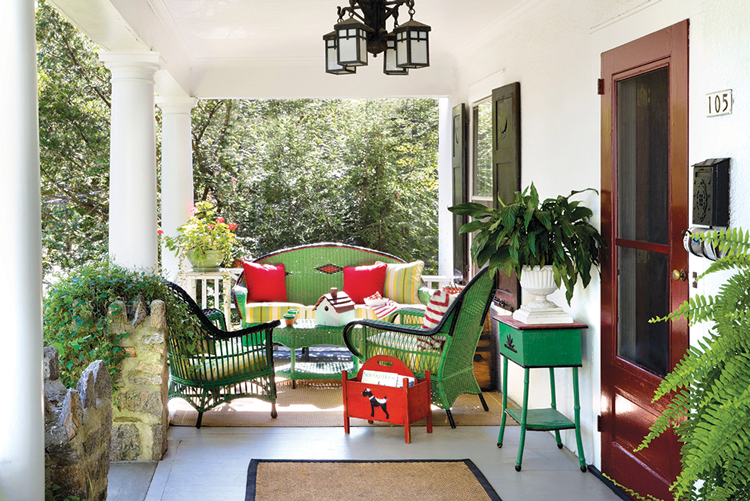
<point x="436" y="309"/>
<point x="402" y="282"/>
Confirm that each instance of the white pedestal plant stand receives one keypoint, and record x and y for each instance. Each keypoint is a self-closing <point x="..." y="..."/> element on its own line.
<point x="539" y="282"/>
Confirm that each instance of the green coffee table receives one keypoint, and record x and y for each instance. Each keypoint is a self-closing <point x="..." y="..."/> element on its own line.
<point x="536" y="347"/>
<point x="303" y="334"/>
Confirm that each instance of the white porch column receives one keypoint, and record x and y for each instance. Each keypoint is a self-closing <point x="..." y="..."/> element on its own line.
<point x="176" y="172"/>
<point x="22" y="417"/>
<point x="445" y="188"/>
<point x="132" y="179"/>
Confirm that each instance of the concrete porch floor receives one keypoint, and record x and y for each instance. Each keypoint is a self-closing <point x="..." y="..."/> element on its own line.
<point x="211" y="463"/>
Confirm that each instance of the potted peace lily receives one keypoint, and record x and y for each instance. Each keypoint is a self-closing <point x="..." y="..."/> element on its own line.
<point x="205" y="239"/>
<point x="547" y="245"/>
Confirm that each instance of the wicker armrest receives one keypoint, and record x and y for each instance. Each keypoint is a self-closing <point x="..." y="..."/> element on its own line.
<point x="216" y="317"/>
<point x="239" y="295"/>
<point x="383" y="325"/>
<point x="406" y="312"/>
<point x="219" y="334"/>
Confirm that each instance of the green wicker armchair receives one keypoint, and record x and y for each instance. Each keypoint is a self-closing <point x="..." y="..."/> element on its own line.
<point x="447" y="351"/>
<point x="222" y="365"/>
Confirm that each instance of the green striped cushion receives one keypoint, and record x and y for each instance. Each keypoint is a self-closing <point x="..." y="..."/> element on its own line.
<point x="257" y="313"/>
<point x="402" y="282"/>
<point x="239" y="365"/>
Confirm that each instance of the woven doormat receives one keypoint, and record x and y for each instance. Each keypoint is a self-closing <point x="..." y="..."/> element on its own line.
<point x="319" y="404"/>
<point x="439" y="480"/>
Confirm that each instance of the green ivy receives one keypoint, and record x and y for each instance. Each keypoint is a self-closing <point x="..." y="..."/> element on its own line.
<point x="76" y="319"/>
<point x="710" y="388"/>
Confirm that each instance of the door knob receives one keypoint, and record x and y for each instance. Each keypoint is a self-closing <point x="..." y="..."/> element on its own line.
<point x="679" y="275"/>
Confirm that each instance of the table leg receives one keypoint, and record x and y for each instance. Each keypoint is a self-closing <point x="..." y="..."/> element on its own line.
<point x="553" y="403"/>
<point x="291" y="367"/>
<point x="524" y="415"/>
<point x="505" y="402"/>
<point x="577" y="409"/>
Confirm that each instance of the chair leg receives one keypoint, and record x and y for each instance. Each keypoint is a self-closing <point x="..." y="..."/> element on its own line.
<point x="450" y="418"/>
<point x="200" y="418"/>
<point x="274" y="414"/>
<point x="484" y="404"/>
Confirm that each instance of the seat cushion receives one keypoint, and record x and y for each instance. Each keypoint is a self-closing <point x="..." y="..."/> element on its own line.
<point x="257" y="313"/>
<point x="402" y="282"/>
<point x="229" y="367"/>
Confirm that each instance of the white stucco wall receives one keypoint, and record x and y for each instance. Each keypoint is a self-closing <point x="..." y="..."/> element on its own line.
<point x="554" y="51"/>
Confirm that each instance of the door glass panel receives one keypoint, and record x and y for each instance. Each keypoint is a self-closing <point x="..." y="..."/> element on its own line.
<point x="643" y="157"/>
<point x="643" y="293"/>
<point x="483" y="150"/>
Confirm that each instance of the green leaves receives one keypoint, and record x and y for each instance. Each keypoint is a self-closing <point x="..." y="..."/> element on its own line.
<point x="529" y="233"/>
<point x="76" y="318"/>
<point x="292" y="172"/>
<point x="710" y="412"/>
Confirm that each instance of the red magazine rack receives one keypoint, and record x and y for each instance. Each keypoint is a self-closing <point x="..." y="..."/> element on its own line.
<point x="388" y="404"/>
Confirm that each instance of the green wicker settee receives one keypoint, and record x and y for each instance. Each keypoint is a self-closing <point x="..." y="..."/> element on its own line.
<point x="311" y="271"/>
<point x="447" y="351"/>
<point x="212" y="365"/>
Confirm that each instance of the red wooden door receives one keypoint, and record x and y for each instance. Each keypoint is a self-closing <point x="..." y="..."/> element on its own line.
<point x="644" y="210"/>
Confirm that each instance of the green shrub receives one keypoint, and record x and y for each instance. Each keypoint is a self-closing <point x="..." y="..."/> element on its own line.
<point x="76" y="315"/>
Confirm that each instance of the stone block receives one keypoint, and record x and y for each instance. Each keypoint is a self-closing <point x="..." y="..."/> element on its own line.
<point x="118" y="317"/>
<point x="126" y="443"/>
<point x="159" y="434"/>
<point x="155" y="338"/>
<point x="146" y="402"/>
<point x="159" y="315"/>
<point x="51" y="363"/>
<point x="95" y="385"/>
<point x="77" y="433"/>
<point x="139" y="379"/>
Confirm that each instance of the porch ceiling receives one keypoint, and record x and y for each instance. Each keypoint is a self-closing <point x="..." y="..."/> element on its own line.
<point x="265" y="48"/>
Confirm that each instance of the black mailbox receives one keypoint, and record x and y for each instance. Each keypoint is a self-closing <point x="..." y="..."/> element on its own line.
<point x="711" y="192"/>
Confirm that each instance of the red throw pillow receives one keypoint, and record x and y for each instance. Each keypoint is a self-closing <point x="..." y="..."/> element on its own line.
<point x="363" y="281"/>
<point x="265" y="282"/>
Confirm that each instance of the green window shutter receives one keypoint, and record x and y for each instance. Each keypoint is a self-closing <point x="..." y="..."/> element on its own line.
<point x="506" y="161"/>
<point x="506" y="140"/>
<point x="460" y="185"/>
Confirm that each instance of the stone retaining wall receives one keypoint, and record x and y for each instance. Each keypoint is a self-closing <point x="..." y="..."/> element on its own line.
<point x="141" y="416"/>
<point x="77" y="430"/>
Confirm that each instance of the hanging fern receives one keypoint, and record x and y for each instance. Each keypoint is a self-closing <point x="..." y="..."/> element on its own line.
<point x="710" y="407"/>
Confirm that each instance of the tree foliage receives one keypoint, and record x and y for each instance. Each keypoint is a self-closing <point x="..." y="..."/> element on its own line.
<point x="289" y="172"/>
<point x="74" y="110"/>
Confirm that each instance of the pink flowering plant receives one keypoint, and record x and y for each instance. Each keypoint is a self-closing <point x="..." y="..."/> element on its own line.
<point x="204" y="231"/>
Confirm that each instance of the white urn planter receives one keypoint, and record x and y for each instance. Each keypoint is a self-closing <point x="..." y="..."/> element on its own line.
<point x="539" y="281"/>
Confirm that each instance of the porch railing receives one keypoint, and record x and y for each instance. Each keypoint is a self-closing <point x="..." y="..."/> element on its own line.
<point x="213" y="289"/>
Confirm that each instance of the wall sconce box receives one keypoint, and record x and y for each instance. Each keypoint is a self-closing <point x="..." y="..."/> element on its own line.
<point x="711" y="192"/>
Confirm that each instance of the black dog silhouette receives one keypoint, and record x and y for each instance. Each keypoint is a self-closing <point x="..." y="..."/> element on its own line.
<point x="376" y="402"/>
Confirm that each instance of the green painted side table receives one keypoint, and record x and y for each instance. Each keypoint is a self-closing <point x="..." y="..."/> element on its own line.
<point x="541" y="347"/>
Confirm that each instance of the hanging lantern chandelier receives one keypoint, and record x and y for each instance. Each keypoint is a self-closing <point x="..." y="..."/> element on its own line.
<point x="364" y="31"/>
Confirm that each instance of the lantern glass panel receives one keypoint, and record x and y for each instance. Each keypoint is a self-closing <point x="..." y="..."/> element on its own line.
<point x="402" y="54"/>
<point x="389" y="60"/>
<point x="347" y="50"/>
<point x="419" y="51"/>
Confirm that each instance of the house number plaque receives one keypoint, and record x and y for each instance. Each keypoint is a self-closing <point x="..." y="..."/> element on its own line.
<point x="719" y="103"/>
